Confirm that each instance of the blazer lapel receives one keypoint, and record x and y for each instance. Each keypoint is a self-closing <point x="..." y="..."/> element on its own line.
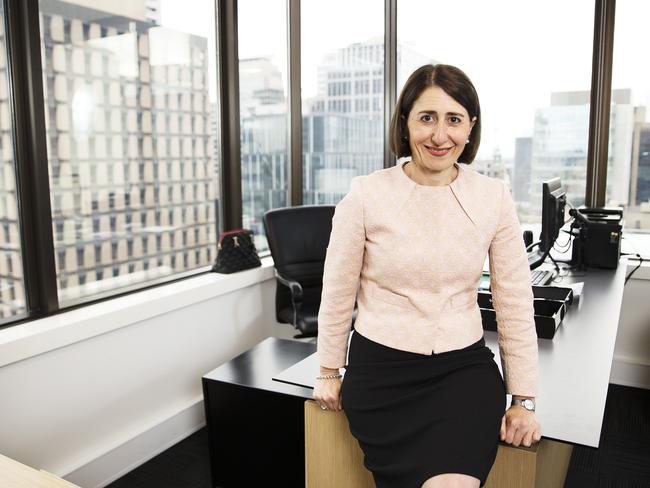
<point x="466" y="195"/>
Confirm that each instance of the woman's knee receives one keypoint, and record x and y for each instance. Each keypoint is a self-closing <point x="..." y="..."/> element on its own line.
<point x="452" y="480"/>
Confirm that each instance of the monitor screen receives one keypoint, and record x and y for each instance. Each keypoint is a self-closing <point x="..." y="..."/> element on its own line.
<point x="553" y="205"/>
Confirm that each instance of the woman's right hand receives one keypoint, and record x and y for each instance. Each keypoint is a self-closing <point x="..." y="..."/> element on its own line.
<point x="327" y="393"/>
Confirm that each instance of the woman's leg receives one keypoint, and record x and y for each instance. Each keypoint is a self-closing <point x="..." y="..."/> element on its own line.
<point x="452" y="480"/>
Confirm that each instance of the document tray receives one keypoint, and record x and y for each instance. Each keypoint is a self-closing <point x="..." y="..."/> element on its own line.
<point x="550" y="304"/>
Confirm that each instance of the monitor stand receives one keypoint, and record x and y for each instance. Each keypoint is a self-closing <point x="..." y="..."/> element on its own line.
<point x="536" y="258"/>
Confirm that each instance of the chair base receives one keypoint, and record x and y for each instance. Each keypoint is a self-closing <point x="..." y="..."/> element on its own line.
<point x="304" y="336"/>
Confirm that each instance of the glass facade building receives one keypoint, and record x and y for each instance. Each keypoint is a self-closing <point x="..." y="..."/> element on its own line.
<point x="130" y="146"/>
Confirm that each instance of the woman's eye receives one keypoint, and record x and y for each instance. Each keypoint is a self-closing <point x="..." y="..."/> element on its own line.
<point x="426" y="118"/>
<point x="454" y="120"/>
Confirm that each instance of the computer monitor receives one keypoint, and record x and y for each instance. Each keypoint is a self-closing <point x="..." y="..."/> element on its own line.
<point x="553" y="204"/>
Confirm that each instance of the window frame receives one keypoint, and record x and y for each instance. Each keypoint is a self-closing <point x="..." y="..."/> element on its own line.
<point x="22" y="27"/>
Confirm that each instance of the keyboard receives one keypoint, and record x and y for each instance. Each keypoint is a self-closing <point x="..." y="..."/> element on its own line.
<point x="541" y="277"/>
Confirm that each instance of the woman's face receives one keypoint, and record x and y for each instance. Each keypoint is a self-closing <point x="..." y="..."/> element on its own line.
<point x="438" y="128"/>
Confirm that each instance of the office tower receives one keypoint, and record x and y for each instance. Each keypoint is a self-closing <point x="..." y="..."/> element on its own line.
<point x="263" y="125"/>
<point x="342" y="129"/>
<point x="129" y="10"/>
<point x="559" y="147"/>
<point x="641" y="162"/>
<point x="637" y="215"/>
<point x="621" y="132"/>
<point x="12" y="290"/>
<point x="494" y="167"/>
<point x="343" y="123"/>
<point x="343" y="132"/>
<point x="522" y="168"/>
<point x="215" y="142"/>
<point x="128" y="142"/>
<point x="152" y="11"/>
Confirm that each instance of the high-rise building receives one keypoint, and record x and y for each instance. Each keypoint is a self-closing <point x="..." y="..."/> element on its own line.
<point x="640" y="173"/>
<point x="342" y="128"/>
<point x="128" y="142"/>
<point x="343" y="131"/>
<point x="637" y="215"/>
<point x="12" y="290"/>
<point x="152" y="11"/>
<point x="343" y="123"/>
<point x="263" y="126"/>
<point x="494" y="167"/>
<point x="523" y="160"/>
<point x="560" y="137"/>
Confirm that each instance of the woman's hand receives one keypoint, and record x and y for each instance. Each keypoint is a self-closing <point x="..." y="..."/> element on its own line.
<point x="327" y="393"/>
<point x="519" y="426"/>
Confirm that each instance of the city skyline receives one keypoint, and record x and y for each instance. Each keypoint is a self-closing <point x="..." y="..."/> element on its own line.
<point x="132" y="140"/>
<point x="350" y="100"/>
<point x="129" y="146"/>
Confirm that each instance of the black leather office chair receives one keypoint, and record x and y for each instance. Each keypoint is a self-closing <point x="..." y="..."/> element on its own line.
<point x="298" y="239"/>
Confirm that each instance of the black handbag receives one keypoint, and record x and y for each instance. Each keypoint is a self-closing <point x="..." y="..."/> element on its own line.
<point x="236" y="252"/>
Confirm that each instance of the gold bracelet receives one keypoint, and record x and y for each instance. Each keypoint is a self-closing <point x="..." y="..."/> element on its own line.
<point x="332" y="376"/>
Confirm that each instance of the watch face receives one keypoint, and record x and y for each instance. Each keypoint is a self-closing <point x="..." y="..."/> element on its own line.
<point x="528" y="404"/>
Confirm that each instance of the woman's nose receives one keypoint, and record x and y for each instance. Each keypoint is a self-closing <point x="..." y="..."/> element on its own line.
<point x="439" y="136"/>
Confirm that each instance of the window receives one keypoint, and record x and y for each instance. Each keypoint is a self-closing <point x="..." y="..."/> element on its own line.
<point x="533" y="87"/>
<point x="132" y="125"/>
<point x="130" y="95"/>
<point x="12" y="287"/>
<point x="263" y="111"/>
<point x="628" y="172"/>
<point x="342" y="137"/>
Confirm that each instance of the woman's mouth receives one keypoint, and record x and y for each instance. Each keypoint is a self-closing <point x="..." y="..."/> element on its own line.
<point x="438" y="151"/>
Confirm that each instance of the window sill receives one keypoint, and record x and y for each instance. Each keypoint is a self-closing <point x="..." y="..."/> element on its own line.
<point x="39" y="336"/>
<point x="42" y="335"/>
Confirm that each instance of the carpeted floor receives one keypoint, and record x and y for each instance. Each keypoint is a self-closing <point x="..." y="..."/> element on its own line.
<point x="621" y="461"/>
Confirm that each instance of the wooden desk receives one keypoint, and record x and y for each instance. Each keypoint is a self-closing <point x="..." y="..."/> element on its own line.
<point x="334" y="458"/>
<point x="17" y="475"/>
<point x="574" y="371"/>
<point x="250" y="416"/>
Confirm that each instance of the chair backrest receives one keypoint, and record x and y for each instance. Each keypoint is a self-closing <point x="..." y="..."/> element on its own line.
<point x="298" y="239"/>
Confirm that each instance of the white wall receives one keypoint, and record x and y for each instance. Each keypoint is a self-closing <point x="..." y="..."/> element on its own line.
<point x="95" y="409"/>
<point x="631" y="365"/>
<point x="92" y="410"/>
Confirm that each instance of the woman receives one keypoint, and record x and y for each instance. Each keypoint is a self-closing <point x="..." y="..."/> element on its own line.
<point x="422" y="393"/>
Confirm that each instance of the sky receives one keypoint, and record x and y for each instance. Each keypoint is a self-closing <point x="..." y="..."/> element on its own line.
<point x="516" y="53"/>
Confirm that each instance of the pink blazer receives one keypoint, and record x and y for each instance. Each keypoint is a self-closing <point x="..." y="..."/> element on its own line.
<point x="412" y="256"/>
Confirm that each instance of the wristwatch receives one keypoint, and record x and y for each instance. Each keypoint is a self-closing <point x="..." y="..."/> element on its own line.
<point x="527" y="403"/>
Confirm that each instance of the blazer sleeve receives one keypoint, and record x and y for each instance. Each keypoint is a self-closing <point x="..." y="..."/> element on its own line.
<point x="343" y="263"/>
<point x="512" y="297"/>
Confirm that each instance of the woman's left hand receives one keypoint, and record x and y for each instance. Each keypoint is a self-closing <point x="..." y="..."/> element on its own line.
<point x="519" y="426"/>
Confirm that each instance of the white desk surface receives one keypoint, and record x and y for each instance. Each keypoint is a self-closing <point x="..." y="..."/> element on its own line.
<point x="574" y="366"/>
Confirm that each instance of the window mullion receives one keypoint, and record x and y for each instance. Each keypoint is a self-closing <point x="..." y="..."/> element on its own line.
<point x="231" y="186"/>
<point x="601" y="90"/>
<point x="25" y="73"/>
<point x="295" y="108"/>
<point x="390" y="73"/>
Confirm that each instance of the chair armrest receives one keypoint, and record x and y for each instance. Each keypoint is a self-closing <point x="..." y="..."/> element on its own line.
<point x="294" y="287"/>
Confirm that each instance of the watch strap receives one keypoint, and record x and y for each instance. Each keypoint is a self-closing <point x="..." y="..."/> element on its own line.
<point x="520" y="402"/>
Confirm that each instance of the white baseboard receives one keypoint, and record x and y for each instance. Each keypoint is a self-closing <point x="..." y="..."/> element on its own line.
<point x="119" y="460"/>
<point x="630" y="372"/>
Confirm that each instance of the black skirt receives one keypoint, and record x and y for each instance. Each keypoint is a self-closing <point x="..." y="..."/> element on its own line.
<point x="416" y="416"/>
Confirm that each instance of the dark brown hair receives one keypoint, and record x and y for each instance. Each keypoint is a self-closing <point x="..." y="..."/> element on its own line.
<point x="456" y="84"/>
